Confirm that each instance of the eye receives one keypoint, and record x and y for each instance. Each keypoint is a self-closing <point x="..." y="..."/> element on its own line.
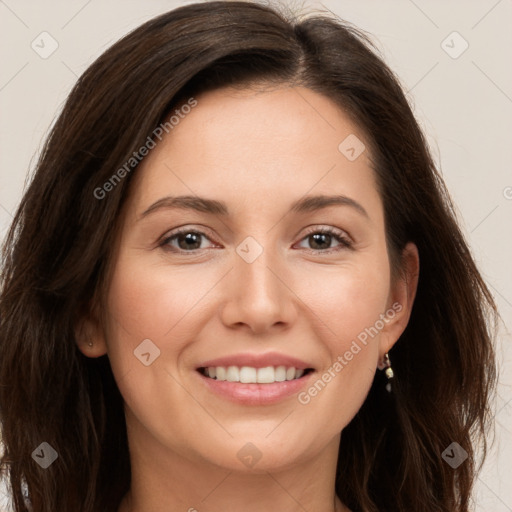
<point x="321" y="239"/>
<point x="186" y="239"/>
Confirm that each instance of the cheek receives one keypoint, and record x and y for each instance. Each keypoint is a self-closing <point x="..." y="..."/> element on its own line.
<point x="346" y="300"/>
<point x="147" y="302"/>
<point x="152" y="301"/>
<point x="347" y="309"/>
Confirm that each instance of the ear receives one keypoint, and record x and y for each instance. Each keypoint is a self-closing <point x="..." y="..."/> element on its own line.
<point x="90" y="336"/>
<point x="401" y="300"/>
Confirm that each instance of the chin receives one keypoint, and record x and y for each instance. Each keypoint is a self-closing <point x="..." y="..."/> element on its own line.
<point x="258" y="452"/>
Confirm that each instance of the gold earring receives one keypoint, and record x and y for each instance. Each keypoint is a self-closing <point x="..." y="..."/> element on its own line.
<point x="388" y="371"/>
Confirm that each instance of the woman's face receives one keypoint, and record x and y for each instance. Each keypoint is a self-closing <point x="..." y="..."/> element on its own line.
<point x="252" y="288"/>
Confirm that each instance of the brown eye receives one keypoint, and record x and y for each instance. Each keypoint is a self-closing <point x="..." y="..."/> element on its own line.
<point x="185" y="240"/>
<point x="320" y="240"/>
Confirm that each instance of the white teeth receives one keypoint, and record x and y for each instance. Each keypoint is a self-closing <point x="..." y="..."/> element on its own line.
<point x="280" y="373"/>
<point x="250" y="375"/>
<point x="233" y="374"/>
<point x="247" y="374"/>
<point x="266" y="375"/>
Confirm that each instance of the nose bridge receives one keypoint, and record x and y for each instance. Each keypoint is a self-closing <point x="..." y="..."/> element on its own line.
<point x="259" y="297"/>
<point x="255" y="260"/>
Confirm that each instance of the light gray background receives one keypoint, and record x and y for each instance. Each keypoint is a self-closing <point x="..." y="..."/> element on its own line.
<point x="464" y="105"/>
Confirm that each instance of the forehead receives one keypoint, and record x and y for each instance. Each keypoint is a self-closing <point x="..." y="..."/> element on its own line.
<point x="258" y="146"/>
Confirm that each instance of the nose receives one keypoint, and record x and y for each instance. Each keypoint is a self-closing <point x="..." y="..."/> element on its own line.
<point x="259" y="297"/>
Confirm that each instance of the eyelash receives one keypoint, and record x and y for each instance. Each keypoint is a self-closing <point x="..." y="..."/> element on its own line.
<point x="345" y="242"/>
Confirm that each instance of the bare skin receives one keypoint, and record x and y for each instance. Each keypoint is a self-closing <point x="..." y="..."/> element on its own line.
<point x="258" y="152"/>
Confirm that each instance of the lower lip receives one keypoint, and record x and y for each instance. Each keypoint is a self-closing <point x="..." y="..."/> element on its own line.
<point x="256" y="394"/>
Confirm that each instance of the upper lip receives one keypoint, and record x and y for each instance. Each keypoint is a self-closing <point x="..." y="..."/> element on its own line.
<point x="257" y="361"/>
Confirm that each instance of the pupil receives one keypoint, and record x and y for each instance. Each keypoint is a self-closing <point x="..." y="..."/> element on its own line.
<point x="189" y="239"/>
<point x="320" y="235"/>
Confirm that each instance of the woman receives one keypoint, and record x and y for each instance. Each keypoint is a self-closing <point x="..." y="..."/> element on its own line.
<point x="236" y="282"/>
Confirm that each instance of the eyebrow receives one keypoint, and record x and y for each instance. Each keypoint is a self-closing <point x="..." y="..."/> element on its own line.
<point x="215" y="207"/>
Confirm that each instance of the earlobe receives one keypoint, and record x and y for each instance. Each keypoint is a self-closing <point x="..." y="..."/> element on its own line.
<point x="90" y="338"/>
<point x="402" y="295"/>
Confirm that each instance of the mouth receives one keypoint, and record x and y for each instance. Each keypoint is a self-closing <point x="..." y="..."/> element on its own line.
<point x="253" y="375"/>
<point x="255" y="379"/>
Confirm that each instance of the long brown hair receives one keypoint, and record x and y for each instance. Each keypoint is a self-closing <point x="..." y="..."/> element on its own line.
<point x="56" y="258"/>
